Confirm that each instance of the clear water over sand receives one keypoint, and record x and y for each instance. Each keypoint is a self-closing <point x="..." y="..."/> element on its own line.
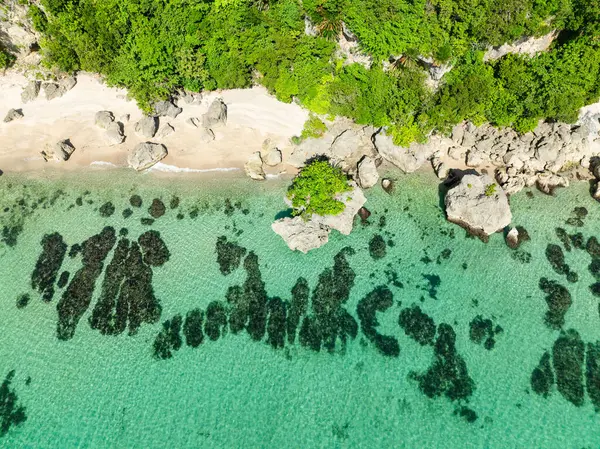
<point x="102" y="391"/>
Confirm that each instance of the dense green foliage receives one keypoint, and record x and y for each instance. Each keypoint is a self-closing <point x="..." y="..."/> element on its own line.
<point x="315" y="188"/>
<point x="6" y="58"/>
<point x="153" y="47"/>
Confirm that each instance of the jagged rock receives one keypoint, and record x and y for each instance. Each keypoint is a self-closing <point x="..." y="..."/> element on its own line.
<point x="206" y="135"/>
<point x="216" y="114"/>
<point x="301" y="235"/>
<point x="528" y="45"/>
<point x="512" y="238"/>
<point x="549" y="182"/>
<point x="273" y="157"/>
<point x="478" y="204"/>
<point x="166" y="109"/>
<point x="147" y="127"/>
<point x="31" y="91"/>
<point x="103" y="119"/>
<point x="145" y="155"/>
<point x="13" y="114"/>
<point x="367" y="172"/>
<point x="51" y="91"/>
<point x="165" y="131"/>
<point x="61" y="151"/>
<point x="67" y="83"/>
<point x="191" y="98"/>
<point x="254" y="167"/>
<point x="411" y="158"/>
<point x="354" y="200"/>
<point x="114" y="134"/>
<point x="193" y="121"/>
<point x="344" y="144"/>
<point x="474" y="158"/>
<point x="124" y="118"/>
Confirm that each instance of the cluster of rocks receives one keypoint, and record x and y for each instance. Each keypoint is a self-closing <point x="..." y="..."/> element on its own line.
<point x="306" y="234"/>
<point x="270" y="156"/>
<point x="51" y="89"/>
<point x="215" y="117"/>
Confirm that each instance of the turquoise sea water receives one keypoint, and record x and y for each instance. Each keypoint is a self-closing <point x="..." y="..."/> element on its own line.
<point x="111" y="391"/>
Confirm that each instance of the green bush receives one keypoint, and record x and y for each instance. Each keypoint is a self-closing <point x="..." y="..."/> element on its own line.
<point x="6" y="58"/>
<point x="315" y="188"/>
<point x="490" y="189"/>
<point x="313" y="128"/>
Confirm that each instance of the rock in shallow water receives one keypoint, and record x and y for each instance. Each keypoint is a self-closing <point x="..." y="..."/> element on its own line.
<point x="367" y="172"/>
<point x="301" y="235"/>
<point x="254" y="167"/>
<point x="478" y="204"/>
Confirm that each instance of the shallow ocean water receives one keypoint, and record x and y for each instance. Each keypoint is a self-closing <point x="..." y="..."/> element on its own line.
<point x="99" y="391"/>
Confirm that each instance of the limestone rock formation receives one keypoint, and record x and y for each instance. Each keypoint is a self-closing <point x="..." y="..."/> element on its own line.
<point x="61" y="151"/>
<point x="103" y="119"/>
<point x="30" y="92"/>
<point x="145" y="155"/>
<point x="407" y="159"/>
<point x="354" y="200"/>
<point x="478" y="204"/>
<point x="301" y="235"/>
<point x="216" y="114"/>
<point x="147" y="127"/>
<point x="254" y="167"/>
<point x="367" y="172"/>
<point x="164" y="131"/>
<point x="528" y="46"/>
<point x="114" y="134"/>
<point x="206" y="135"/>
<point x="13" y="114"/>
<point x="273" y="157"/>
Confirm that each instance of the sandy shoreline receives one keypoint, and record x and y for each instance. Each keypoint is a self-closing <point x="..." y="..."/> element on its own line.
<point x="253" y="116"/>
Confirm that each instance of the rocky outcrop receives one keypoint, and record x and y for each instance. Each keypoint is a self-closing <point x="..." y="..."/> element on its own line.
<point x="367" y="172"/>
<point x="31" y="91"/>
<point x="191" y="98"/>
<point x="13" y="114"/>
<point x="549" y="182"/>
<point x="216" y="115"/>
<point x="103" y="119"/>
<point x="206" y="135"/>
<point x="525" y="46"/>
<point x="344" y="144"/>
<point x="272" y="157"/>
<point x="147" y="127"/>
<point x="301" y="235"/>
<point x="61" y="151"/>
<point x="166" y="109"/>
<point x="349" y="49"/>
<point x="512" y="238"/>
<point x="305" y="235"/>
<point x="145" y="155"/>
<point x="114" y="134"/>
<point x="407" y="159"/>
<point x="478" y="204"/>
<point x="254" y="167"/>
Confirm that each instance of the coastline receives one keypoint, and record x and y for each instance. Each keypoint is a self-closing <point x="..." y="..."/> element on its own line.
<point x="253" y="117"/>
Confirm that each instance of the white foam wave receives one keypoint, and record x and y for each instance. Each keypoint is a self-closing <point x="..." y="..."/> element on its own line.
<point x="174" y="169"/>
<point x="103" y="163"/>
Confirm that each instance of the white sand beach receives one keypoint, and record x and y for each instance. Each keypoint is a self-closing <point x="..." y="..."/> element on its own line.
<point x="253" y="116"/>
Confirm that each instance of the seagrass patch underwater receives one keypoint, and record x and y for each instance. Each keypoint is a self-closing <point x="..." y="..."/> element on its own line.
<point x="146" y="312"/>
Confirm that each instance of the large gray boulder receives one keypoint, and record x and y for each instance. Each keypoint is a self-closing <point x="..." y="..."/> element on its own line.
<point x="478" y="204"/>
<point x="147" y="127"/>
<point x="61" y="151"/>
<point x="30" y="92"/>
<point x="52" y="91"/>
<point x="301" y="235"/>
<point x="254" y="167"/>
<point x="145" y="155"/>
<point x="13" y="114"/>
<point x="166" y="109"/>
<point x="114" y="134"/>
<point x="216" y="114"/>
<point x="272" y="157"/>
<point x="103" y="119"/>
<point x="408" y="159"/>
<point x="165" y="131"/>
<point x="367" y="172"/>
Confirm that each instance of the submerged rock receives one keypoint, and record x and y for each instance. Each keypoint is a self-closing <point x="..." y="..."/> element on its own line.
<point x="377" y="247"/>
<point x="229" y="255"/>
<point x="417" y="325"/>
<point x="542" y="377"/>
<point x="11" y="412"/>
<point x="48" y="265"/>
<point x="154" y="249"/>
<point x="216" y="320"/>
<point x="592" y="373"/>
<point x="145" y="155"/>
<point x="567" y="359"/>
<point x="558" y="299"/>
<point x="276" y="322"/>
<point x="169" y="338"/>
<point x="379" y="300"/>
<point x="157" y="209"/>
<point x="192" y="328"/>
<point x="478" y="204"/>
<point x="297" y="308"/>
<point x="483" y="331"/>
